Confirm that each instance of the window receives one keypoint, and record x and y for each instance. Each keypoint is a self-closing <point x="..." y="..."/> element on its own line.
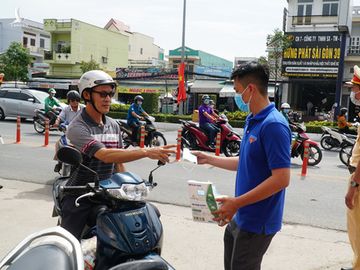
<point x="42" y="43"/>
<point x="330" y="7"/>
<point x="32" y="42"/>
<point x="3" y="93"/>
<point x="13" y="95"/>
<point x="25" y="41"/>
<point x="141" y="50"/>
<point x="104" y="59"/>
<point x="129" y="47"/>
<point x="304" y="11"/>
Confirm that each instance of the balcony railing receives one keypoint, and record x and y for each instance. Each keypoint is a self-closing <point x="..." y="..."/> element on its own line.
<point x="316" y="19"/>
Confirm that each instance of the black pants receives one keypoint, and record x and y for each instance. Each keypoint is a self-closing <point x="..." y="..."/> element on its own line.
<point x="244" y="250"/>
<point x="52" y="117"/>
<point x="135" y="130"/>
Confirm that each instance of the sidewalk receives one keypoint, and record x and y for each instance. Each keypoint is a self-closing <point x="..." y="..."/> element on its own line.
<point x="26" y="208"/>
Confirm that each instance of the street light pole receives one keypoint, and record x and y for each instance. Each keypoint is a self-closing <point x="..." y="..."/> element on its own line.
<point x="181" y="104"/>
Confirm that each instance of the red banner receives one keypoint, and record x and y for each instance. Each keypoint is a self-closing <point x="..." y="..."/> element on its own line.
<point x="181" y="92"/>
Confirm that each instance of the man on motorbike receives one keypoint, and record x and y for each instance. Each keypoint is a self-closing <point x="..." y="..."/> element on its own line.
<point x="343" y="125"/>
<point x="134" y="116"/>
<point x="70" y="111"/>
<point x="207" y="117"/>
<point x="51" y="106"/>
<point x="285" y="109"/>
<point x="98" y="138"/>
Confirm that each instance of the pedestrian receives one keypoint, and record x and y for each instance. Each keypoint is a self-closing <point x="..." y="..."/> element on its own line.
<point x="309" y="107"/>
<point x="99" y="140"/>
<point x="352" y="198"/>
<point x="254" y="215"/>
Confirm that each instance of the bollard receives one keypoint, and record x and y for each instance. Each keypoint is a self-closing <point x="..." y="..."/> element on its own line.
<point x="305" y="159"/>
<point x="142" y="137"/>
<point x="178" y="144"/>
<point x="217" y="146"/>
<point x="18" y="121"/>
<point x="46" y="142"/>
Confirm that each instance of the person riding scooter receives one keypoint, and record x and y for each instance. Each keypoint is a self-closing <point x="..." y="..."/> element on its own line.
<point x="207" y="118"/>
<point x="51" y="106"/>
<point x="285" y="109"/>
<point x="70" y="111"/>
<point x="342" y="123"/>
<point x="135" y="114"/>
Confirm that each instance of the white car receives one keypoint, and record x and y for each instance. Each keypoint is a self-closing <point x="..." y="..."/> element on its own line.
<point x="21" y="102"/>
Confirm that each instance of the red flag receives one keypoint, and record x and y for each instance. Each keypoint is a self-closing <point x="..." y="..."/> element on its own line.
<point x="181" y="91"/>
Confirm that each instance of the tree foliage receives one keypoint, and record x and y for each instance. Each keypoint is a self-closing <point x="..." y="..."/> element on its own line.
<point x="15" y="62"/>
<point x="87" y="66"/>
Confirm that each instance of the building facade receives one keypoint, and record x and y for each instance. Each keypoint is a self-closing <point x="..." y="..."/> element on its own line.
<point x="73" y="41"/>
<point x="313" y="65"/>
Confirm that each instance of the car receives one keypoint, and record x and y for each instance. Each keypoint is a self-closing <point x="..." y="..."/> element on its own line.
<point x="21" y="102"/>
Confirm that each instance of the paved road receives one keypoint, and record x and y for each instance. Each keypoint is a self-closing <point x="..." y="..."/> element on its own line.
<point x="316" y="200"/>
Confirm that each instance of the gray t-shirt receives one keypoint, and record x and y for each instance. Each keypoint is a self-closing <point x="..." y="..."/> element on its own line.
<point x="89" y="137"/>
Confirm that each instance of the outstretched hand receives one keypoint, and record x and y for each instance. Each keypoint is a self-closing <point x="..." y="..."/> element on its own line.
<point x="161" y="153"/>
<point x="202" y="158"/>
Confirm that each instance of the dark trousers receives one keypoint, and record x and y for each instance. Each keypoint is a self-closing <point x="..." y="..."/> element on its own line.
<point x="52" y="117"/>
<point x="211" y="131"/>
<point x="244" y="250"/>
<point x="135" y="130"/>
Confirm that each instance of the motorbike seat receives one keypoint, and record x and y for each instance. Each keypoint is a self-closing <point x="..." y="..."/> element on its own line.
<point x="141" y="265"/>
<point x="123" y="123"/>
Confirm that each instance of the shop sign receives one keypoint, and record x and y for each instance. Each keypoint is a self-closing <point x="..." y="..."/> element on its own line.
<point x="312" y="55"/>
<point x="137" y="90"/>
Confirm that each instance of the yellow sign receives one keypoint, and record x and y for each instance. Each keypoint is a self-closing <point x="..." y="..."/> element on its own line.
<point x="130" y="90"/>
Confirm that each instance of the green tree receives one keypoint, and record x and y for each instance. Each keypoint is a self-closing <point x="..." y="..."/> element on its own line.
<point x="14" y="62"/>
<point x="276" y="43"/>
<point x="87" y="66"/>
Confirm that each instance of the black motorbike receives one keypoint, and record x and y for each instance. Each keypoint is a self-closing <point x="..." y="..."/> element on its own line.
<point x="128" y="229"/>
<point x="152" y="136"/>
<point x="40" y="120"/>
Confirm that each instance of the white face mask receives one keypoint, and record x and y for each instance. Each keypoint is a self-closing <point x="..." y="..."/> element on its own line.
<point x="354" y="99"/>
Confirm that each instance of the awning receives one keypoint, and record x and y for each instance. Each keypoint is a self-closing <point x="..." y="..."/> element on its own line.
<point x="206" y="86"/>
<point x="227" y="91"/>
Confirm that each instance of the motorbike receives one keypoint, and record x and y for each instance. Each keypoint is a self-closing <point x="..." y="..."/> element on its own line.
<point x="128" y="229"/>
<point x="193" y="137"/>
<point x="52" y="248"/>
<point x="40" y="118"/>
<point x="346" y="148"/>
<point x="152" y="136"/>
<point x="331" y="138"/>
<point x="297" y="148"/>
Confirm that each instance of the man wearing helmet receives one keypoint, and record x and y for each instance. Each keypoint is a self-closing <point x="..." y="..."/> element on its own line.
<point x="207" y="117"/>
<point x="51" y="106"/>
<point x="98" y="138"/>
<point x="343" y="125"/>
<point x="285" y="109"/>
<point x="72" y="110"/>
<point x="135" y="113"/>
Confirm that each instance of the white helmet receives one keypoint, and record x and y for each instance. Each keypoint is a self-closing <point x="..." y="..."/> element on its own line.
<point x="94" y="78"/>
<point x="285" y="106"/>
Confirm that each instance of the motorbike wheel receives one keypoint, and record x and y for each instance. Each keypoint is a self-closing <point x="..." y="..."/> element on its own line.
<point x="315" y="155"/>
<point x="345" y="154"/>
<point x="231" y="148"/>
<point x="188" y="140"/>
<point x="39" y="128"/>
<point x="158" y="139"/>
<point x="326" y="142"/>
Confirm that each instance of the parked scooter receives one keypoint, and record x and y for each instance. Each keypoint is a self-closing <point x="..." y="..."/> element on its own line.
<point x="193" y="137"/>
<point x="297" y="148"/>
<point x="331" y="138"/>
<point x="40" y="118"/>
<point x="128" y="229"/>
<point x="52" y="248"/>
<point x="152" y="136"/>
<point x="346" y="149"/>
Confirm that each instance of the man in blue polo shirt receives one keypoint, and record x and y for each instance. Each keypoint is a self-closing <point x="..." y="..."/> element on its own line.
<point x="134" y="116"/>
<point x="254" y="215"/>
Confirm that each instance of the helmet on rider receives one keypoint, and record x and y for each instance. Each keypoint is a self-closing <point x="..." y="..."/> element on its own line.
<point x="138" y="99"/>
<point x="73" y="95"/>
<point x="285" y="106"/>
<point x="343" y="111"/>
<point x="52" y="91"/>
<point x="205" y="99"/>
<point x="90" y="79"/>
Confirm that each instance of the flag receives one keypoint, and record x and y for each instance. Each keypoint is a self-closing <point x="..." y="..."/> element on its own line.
<point x="181" y="89"/>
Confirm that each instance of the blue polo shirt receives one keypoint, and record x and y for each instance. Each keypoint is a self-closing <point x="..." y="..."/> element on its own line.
<point x="264" y="146"/>
<point x="134" y="108"/>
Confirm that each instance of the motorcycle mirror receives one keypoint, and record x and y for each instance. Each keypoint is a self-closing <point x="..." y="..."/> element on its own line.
<point x="69" y="155"/>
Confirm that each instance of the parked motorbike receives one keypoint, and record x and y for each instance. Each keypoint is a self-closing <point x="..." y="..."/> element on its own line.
<point x="346" y="149"/>
<point x="40" y="118"/>
<point x="52" y="248"/>
<point x="128" y="229"/>
<point x="331" y="138"/>
<point x="297" y="148"/>
<point x="193" y="137"/>
<point x="152" y="136"/>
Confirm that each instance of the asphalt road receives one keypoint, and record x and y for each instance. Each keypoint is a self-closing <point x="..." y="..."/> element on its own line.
<point x="316" y="200"/>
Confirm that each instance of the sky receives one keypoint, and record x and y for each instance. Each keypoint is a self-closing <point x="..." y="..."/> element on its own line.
<point x="227" y="28"/>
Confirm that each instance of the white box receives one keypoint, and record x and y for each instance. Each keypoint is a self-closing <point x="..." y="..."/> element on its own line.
<point x="202" y="200"/>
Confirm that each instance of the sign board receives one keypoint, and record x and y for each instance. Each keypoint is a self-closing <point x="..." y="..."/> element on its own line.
<point x="312" y="55"/>
<point x="137" y="90"/>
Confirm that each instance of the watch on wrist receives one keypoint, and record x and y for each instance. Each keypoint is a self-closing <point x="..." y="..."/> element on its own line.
<point x="354" y="184"/>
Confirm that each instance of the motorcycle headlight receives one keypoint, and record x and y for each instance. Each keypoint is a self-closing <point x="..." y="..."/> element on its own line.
<point x="130" y="192"/>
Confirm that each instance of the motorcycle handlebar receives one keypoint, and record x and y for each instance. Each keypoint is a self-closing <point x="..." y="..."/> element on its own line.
<point x="75" y="190"/>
